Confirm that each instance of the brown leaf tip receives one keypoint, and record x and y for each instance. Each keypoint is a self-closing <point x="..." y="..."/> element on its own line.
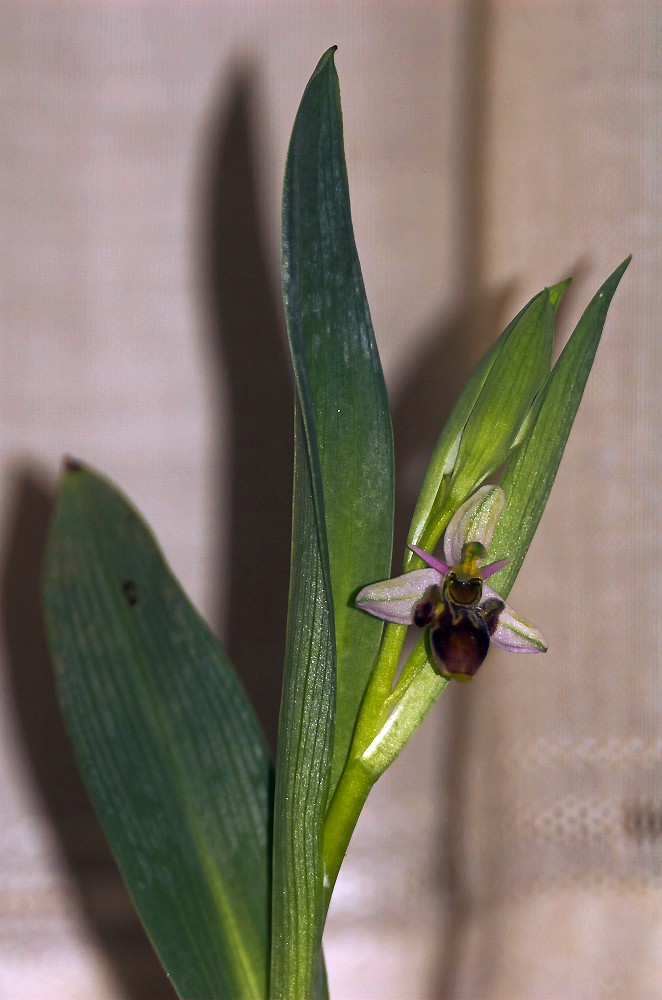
<point x="71" y="464"/>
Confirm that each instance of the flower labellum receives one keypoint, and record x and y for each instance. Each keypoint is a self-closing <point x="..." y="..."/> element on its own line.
<point x="449" y="598"/>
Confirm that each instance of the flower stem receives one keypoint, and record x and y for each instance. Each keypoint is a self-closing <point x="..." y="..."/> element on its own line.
<point x="415" y="662"/>
<point x="374" y="707"/>
<point x="356" y="779"/>
<point x="341" y="818"/>
<point x="388" y="717"/>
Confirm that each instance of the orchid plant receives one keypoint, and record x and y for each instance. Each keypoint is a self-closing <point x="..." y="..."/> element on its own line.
<point x="231" y="860"/>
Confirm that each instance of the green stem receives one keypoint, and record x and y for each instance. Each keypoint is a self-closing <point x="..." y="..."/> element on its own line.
<point x="417" y="700"/>
<point x="415" y="662"/>
<point x="389" y="715"/>
<point x="374" y="707"/>
<point x="341" y="818"/>
<point x="437" y="524"/>
<point x="387" y="719"/>
<point x="356" y="780"/>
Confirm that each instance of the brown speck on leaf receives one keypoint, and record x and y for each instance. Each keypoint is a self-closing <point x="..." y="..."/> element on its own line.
<point x="130" y="591"/>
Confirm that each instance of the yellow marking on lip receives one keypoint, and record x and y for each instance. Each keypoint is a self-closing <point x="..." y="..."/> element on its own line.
<point x="473" y="553"/>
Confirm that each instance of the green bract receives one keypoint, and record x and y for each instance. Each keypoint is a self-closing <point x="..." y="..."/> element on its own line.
<point x="232" y="874"/>
<point x="504" y="385"/>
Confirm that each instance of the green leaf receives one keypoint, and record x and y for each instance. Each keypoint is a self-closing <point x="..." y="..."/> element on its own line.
<point x="171" y="752"/>
<point x="531" y="472"/>
<point x="335" y="357"/>
<point x="505" y="370"/>
<point x="305" y="744"/>
<point x="342" y="522"/>
<point x="516" y="376"/>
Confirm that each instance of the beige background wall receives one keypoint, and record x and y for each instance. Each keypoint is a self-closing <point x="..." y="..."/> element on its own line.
<point x="516" y="847"/>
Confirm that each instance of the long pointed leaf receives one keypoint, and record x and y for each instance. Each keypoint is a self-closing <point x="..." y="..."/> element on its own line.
<point x="171" y="752"/>
<point x="335" y="357"/>
<point x="531" y="472"/>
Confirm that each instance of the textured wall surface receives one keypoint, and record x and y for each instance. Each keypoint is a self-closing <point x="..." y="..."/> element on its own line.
<point x="516" y="847"/>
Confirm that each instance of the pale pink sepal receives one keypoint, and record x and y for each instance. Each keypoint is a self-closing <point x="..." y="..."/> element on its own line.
<point x="516" y="634"/>
<point x="474" y="521"/>
<point x="394" y="600"/>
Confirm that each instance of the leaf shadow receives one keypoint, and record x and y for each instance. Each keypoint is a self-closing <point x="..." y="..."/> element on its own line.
<point x="83" y="849"/>
<point x="246" y="339"/>
<point x="244" y="334"/>
<point x="432" y="386"/>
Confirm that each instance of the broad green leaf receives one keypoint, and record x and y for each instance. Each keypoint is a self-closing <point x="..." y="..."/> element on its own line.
<point x="531" y="472"/>
<point x="173" y="757"/>
<point x="336" y="359"/>
<point x="437" y="481"/>
<point x="304" y="748"/>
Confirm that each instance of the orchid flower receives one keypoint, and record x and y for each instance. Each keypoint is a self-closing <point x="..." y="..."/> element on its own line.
<point x="449" y="597"/>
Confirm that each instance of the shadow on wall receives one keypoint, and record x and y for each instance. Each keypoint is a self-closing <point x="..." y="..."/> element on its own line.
<point x="245" y="331"/>
<point x="245" y="334"/>
<point x="475" y="325"/>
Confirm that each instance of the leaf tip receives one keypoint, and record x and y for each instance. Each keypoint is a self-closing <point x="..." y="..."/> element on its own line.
<point x="326" y="58"/>
<point x="557" y="291"/>
<point x="71" y="464"/>
<point x="611" y="284"/>
<point x="621" y="269"/>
